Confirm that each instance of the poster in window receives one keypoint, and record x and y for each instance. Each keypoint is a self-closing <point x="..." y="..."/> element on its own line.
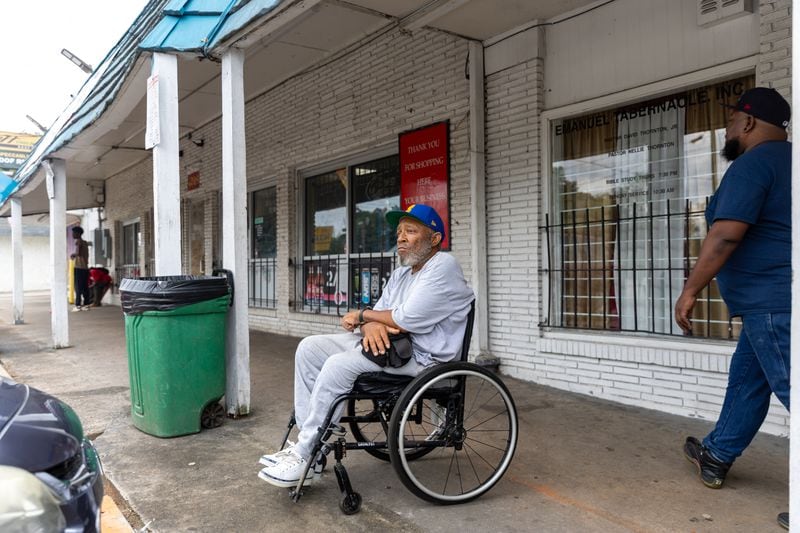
<point x="425" y="170"/>
<point x="193" y="180"/>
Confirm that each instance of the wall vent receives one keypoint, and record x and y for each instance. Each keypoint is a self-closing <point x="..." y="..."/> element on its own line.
<point x="710" y="12"/>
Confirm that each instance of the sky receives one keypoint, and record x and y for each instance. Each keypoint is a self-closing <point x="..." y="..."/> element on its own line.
<point x="39" y="81"/>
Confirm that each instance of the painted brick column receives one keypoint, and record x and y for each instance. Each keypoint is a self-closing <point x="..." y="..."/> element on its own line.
<point x="56" y="171"/>
<point x="234" y="230"/>
<point x="775" y="60"/>
<point x="514" y="99"/>
<point x="17" y="299"/>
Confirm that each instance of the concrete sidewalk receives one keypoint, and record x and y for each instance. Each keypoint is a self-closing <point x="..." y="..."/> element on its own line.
<point x="582" y="464"/>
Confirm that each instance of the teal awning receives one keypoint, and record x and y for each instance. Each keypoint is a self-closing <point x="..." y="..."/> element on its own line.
<point x="199" y="25"/>
<point x="7" y="187"/>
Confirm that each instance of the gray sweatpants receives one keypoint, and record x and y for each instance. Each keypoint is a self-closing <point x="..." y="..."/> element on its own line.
<point x="325" y="367"/>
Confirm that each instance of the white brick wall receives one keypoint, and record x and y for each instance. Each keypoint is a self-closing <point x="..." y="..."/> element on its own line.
<point x="513" y="193"/>
<point x="356" y="103"/>
<point x="675" y="376"/>
<point x="668" y="375"/>
<point x="775" y="59"/>
<point x="128" y="196"/>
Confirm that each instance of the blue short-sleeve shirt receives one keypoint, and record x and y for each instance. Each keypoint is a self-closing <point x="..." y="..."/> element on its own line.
<point x="756" y="189"/>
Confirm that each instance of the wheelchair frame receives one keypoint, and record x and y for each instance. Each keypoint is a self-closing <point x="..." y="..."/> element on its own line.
<point x="398" y="406"/>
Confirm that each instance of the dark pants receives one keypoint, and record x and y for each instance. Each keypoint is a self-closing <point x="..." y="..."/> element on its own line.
<point x="81" y="287"/>
<point x="98" y="291"/>
<point x="759" y="366"/>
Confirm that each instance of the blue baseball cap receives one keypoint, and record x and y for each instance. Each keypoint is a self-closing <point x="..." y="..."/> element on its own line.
<point x="424" y="214"/>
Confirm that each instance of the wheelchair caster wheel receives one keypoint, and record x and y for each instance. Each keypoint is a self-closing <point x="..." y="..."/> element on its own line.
<point x="212" y="416"/>
<point x="350" y="503"/>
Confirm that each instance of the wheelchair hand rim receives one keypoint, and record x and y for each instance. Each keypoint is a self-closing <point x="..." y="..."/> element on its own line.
<point x="509" y="454"/>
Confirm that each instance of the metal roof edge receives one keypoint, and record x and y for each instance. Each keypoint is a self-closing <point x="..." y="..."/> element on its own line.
<point x="240" y="17"/>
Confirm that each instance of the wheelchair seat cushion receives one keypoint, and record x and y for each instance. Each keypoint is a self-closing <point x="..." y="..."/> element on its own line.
<point x="380" y="383"/>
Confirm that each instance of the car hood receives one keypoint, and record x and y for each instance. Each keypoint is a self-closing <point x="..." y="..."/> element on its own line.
<point x="37" y="431"/>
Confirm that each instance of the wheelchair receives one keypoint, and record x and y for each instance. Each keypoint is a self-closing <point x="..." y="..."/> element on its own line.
<point x="449" y="433"/>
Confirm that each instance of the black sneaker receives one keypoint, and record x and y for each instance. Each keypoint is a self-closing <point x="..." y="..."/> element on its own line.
<point x="712" y="472"/>
<point x="783" y="520"/>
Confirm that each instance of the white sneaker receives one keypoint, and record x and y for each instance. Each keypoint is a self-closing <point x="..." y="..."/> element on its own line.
<point x="76" y="309"/>
<point x="272" y="458"/>
<point x="287" y="471"/>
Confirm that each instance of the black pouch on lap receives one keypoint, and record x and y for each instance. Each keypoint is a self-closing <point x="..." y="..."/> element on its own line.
<point x="398" y="354"/>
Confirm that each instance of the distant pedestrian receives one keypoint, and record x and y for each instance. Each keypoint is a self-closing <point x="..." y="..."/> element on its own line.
<point x="81" y="270"/>
<point x="748" y="248"/>
<point x="99" y="282"/>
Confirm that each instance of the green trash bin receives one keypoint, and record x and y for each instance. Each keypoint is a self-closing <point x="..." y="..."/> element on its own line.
<point x="175" y="330"/>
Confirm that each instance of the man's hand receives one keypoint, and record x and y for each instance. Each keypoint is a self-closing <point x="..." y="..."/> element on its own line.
<point x="722" y="239"/>
<point x="683" y="311"/>
<point x="350" y="321"/>
<point x="376" y="337"/>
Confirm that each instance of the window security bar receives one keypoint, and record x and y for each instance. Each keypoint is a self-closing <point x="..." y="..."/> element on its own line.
<point x="621" y="268"/>
<point x="335" y="284"/>
<point x="261" y="276"/>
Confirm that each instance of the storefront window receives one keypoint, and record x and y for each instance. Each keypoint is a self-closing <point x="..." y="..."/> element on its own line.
<point x="326" y="213"/>
<point x="130" y="244"/>
<point x="263" y="218"/>
<point x="351" y="201"/>
<point x="263" y="234"/>
<point x="630" y="186"/>
<point x="128" y="264"/>
<point x="376" y="190"/>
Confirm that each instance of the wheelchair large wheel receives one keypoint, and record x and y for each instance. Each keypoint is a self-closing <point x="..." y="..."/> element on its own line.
<point x="470" y="449"/>
<point x="366" y="425"/>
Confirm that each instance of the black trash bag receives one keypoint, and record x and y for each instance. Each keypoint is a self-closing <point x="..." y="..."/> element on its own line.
<point x="165" y="293"/>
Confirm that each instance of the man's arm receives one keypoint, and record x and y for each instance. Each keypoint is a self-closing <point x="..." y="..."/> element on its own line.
<point x="722" y="239"/>
<point x="376" y="326"/>
<point x="353" y="319"/>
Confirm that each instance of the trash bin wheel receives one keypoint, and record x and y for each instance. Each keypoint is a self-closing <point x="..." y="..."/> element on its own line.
<point x="213" y="415"/>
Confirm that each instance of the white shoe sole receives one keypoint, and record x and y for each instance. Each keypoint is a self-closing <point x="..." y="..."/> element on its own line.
<point x="284" y="483"/>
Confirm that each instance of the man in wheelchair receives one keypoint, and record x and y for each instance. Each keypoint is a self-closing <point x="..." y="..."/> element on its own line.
<point x="426" y="297"/>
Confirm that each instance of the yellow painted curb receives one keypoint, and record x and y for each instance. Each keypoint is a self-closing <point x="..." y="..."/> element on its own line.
<point x="111" y="518"/>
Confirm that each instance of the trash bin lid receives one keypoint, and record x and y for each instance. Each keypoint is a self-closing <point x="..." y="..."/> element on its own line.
<point x="165" y="293"/>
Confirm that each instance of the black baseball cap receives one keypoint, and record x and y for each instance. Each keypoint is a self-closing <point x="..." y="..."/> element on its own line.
<point x="765" y="104"/>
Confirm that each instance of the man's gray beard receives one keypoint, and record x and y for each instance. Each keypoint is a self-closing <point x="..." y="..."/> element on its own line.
<point x="412" y="259"/>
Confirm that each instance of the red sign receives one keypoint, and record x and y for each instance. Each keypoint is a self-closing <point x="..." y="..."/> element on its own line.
<point x="193" y="180"/>
<point x="425" y="171"/>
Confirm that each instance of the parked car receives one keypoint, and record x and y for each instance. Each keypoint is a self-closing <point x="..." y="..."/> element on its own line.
<point x="43" y="435"/>
<point x="26" y="504"/>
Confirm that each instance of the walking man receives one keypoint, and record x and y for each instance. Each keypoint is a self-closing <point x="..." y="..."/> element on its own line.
<point x="748" y="249"/>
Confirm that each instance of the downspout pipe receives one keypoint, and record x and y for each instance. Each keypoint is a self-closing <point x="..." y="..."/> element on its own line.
<point x="477" y="184"/>
<point x="213" y="33"/>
